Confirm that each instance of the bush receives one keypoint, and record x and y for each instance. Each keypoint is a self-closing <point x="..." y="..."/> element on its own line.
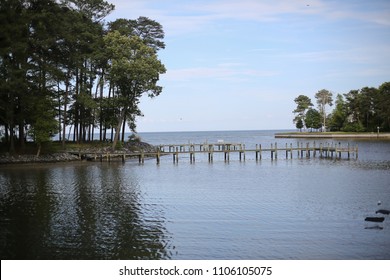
<point x="134" y="138"/>
<point x="353" y="127"/>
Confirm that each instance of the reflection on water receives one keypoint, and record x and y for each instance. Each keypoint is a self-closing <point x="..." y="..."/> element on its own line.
<point x="78" y="212"/>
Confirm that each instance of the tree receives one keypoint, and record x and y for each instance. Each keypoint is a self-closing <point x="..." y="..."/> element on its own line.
<point x="299" y="124"/>
<point x="383" y="106"/>
<point x="339" y="114"/>
<point x="313" y="119"/>
<point x="135" y="70"/>
<point x="150" y="31"/>
<point x="367" y="108"/>
<point x="14" y="42"/>
<point x="58" y="53"/>
<point x="93" y="9"/>
<point x="303" y="103"/>
<point x="43" y="123"/>
<point x="324" y="97"/>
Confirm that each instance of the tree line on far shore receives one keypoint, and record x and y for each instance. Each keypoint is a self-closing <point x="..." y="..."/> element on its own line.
<point x="65" y="71"/>
<point x="363" y="110"/>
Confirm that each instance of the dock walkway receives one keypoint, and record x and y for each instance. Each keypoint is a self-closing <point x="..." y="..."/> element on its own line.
<point x="227" y="150"/>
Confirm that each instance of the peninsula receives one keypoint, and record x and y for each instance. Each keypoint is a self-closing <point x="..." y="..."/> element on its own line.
<point x="334" y="135"/>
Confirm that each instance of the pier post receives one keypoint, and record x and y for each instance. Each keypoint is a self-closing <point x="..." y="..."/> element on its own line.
<point x="272" y="151"/>
<point x="260" y="151"/>
<point x="339" y="150"/>
<point x="141" y="157"/>
<point x="211" y="151"/>
<point x="241" y="151"/>
<point x="286" y="152"/>
<point x="276" y="150"/>
<point x="307" y="150"/>
<point x="176" y="155"/>
<point x="327" y="151"/>
<point x="314" y="149"/>
<point x="158" y="156"/>
<point x="301" y="150"/>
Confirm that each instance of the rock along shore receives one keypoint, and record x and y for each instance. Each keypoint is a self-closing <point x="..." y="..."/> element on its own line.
<point x="71" y="155"/>
<point x="372" y="136"/>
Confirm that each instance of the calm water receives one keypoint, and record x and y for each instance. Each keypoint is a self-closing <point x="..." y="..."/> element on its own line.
<point x="271" y="209"/>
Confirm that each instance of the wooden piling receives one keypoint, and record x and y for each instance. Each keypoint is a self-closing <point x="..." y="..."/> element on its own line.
<point x="314" y="149"/>
<point x="307" y="150"/>
<point x="158" y="156"/>
<point x="260" y="156"/>
<point x="276" y="150"/>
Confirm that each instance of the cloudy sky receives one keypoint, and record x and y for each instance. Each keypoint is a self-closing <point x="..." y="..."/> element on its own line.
<point x="238" y="65"/>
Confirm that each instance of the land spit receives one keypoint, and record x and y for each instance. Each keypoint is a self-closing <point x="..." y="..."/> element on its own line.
<point x="327" y="135"/>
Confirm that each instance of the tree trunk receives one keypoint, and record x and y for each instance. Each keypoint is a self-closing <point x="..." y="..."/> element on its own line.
<point x="39" y="149"/>
<point x="118" y="128"/>
<point x="123" y="129"/>
<point x="65" y="111"/>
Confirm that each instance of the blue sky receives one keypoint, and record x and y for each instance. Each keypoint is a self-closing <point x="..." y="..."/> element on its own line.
<point x="238" y="65"/>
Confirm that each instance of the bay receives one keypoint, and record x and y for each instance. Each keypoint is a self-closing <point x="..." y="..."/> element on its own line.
<point x="270" y="209"/>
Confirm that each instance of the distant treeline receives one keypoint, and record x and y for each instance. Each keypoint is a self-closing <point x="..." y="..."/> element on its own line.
<point x="364" y="110"/>
<point x="65" y="71"/>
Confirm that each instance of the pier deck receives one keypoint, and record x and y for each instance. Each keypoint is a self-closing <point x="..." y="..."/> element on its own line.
<point x="227" y="149"/>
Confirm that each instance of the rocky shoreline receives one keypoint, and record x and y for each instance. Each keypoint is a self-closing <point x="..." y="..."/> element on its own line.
<point x="72" y="155"/>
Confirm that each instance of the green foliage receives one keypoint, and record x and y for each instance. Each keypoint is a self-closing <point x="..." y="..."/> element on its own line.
<point x="61" y="67"/>
<point x="353" y="127"/>
<point x="324" y="97"/>
<point x="303" y="103"/>
<point x="339" y="114"/>
<point x="134" y="70"/>
<point x="134" y="138"/>
<point x="43" y="122"/>
<point x="356" y="111"/>
<point x="313" y="119"/>
<point x="299" y="124"/>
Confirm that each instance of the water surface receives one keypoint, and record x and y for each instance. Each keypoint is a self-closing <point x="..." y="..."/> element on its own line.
<point x="272" y="209"/>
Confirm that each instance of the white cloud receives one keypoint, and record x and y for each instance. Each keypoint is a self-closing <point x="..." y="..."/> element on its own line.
<point x="231" y="72"/>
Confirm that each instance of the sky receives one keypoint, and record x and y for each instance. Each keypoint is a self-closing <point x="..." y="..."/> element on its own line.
<point x="239" y="65"/>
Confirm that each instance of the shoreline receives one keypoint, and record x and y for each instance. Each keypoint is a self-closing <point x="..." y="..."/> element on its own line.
<point x="69" y="155"/>
<point x="329" y="135"/>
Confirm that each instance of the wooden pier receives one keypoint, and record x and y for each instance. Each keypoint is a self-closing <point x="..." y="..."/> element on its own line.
<point x="228" y="150"/>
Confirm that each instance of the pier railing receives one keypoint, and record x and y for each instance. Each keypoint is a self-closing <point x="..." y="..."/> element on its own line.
<point x="228" y="150"/>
